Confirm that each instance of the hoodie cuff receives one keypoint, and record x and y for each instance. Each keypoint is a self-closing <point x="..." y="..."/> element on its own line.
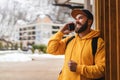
<point x="80" y="69"/>
<point x="60" y="33"/>
<point x="57" y="36"/>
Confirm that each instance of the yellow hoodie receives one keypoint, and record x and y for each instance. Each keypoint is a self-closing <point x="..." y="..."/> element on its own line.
<point x="80" y="51"/>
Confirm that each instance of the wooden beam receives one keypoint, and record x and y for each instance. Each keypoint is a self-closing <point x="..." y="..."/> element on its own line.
<point x="106" y="37"/>
<point x="108" y="21"/>
<point x="118" y="37"/>
<point x="113" y="40"/>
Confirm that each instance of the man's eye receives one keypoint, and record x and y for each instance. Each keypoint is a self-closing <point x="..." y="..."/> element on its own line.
<point x="80" y="17"/>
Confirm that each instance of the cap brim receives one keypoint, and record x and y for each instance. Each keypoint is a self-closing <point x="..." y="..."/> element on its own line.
<point x="75" y="12"/>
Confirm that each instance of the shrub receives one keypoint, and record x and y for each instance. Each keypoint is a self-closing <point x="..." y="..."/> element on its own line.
<point x="1" y="45"/>
<point x="41" y="47"/>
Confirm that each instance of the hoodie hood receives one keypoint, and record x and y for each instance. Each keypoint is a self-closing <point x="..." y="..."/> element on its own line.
<point x="92" y="34"/>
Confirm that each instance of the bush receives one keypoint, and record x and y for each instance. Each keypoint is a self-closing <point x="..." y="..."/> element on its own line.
<point x="16" y="46"/>
<point x="1" y="45"/>
<point x="21" y="45"/>
<point x="41" y="47"/>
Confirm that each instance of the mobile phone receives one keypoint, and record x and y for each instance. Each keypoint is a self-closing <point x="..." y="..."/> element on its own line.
<point x="71" y="26"/>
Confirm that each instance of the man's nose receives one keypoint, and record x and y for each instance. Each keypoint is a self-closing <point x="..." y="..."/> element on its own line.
<point x="77" y="22"/>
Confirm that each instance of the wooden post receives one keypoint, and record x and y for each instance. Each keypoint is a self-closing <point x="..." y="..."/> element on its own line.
<point x="108" y="22"/>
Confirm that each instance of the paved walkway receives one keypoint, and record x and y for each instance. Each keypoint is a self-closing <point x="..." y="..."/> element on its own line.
<point x="40" y="69"/>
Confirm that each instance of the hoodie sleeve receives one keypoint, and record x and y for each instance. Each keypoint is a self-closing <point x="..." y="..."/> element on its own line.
<point x="56" y="44"/>
<point x="97" y="70"/>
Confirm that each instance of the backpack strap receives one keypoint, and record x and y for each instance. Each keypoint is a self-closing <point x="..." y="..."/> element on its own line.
<point x="103" y="78"/>
<point x="69" y="40"/>
<point x="94" y="48"/>
<point x="94" y="45"/>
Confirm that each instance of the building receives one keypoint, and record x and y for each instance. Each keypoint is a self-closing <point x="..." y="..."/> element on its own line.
<point x="38" y="33"/>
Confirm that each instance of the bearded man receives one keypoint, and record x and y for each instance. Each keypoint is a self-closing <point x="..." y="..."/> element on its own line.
<point x="79" y="62"/>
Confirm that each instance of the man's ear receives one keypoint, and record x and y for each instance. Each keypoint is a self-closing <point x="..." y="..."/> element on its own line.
<point x="90" y="22"/>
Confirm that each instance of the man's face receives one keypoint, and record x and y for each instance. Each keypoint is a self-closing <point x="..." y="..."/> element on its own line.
<point x="81" y="23"/>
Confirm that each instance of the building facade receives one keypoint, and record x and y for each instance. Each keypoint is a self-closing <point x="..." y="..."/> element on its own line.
<point x="37" y="33"/>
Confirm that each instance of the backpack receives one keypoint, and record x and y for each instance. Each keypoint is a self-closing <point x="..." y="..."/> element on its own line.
<point x="94" y="48"/>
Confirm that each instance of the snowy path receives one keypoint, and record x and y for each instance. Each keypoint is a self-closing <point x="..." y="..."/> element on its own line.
<point x="39" y="67"/>
<point x="16" y="56"/>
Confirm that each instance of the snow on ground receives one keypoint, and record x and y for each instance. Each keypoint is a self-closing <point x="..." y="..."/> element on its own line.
<point x="20" y="56"/>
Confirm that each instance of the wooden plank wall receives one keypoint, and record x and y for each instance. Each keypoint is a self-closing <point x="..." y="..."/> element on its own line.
<point x="107" y="14"/>
<point x="118" y="36"/>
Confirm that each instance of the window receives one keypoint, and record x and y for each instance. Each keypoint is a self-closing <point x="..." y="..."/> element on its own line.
<point x="33" y="32"/>
<point x="20" y="38"/>
<point x="33" y="27"/>
<point x="55" y="27"/>
<point x="20" y="29"/>
<point x="53" y="32"/>
<point x="20" y="34"/>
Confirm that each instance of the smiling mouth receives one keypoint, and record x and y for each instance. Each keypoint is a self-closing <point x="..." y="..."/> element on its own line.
<point x="78" y="24"/>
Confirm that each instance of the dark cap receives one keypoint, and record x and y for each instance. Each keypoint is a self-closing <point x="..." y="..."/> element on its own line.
<point x="85" y="12"/>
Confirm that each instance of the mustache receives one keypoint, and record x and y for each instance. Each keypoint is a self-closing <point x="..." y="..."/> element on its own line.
<point x="78" y="23"/>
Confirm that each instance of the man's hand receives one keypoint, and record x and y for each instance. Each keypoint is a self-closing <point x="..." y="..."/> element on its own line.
<point x="72" y="66"/>
<point x="65" y="29"/>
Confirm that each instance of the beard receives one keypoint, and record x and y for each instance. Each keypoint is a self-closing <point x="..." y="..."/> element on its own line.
<point x="83" y="27"/>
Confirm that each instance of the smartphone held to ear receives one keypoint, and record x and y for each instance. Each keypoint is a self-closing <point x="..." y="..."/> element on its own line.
<point x="71" y="26"/>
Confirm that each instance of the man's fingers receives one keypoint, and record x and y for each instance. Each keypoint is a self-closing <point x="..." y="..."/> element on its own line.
<point x="72" y="65"/>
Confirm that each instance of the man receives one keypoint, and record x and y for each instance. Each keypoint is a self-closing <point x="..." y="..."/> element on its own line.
<point x="79" y="63"/>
